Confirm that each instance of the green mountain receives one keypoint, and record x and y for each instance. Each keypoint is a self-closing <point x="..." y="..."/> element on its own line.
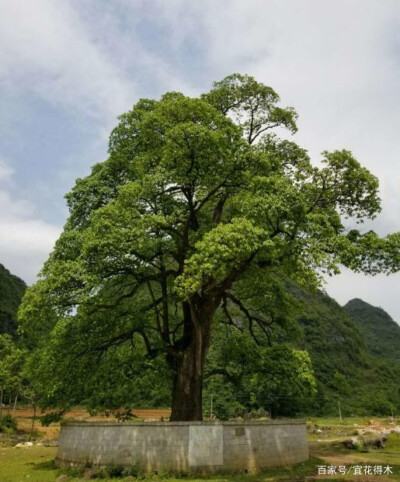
<point x="381" y="334"/>
<point x="12" y="289"/>
<point x="348" y="367"/>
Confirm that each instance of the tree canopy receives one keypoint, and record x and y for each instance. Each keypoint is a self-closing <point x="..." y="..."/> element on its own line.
<point x="12" y="289"/>
<point x="197" y="217"/>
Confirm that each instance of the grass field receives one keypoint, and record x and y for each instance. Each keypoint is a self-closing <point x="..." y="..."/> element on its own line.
<point x="36" y="463"/>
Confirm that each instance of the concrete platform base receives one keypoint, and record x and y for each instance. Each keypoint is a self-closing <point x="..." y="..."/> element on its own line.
<point x="201" y="447"/>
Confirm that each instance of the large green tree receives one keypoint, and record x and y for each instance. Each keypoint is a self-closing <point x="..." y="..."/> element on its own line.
<point x="199" y="209"/>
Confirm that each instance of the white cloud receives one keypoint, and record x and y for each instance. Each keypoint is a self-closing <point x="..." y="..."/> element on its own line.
<point x="47" y="50"/>
<point x="78" y="56"/>
<point x="25" y="240"/>
<point x="380" y="290"/>
<point x="5" y="172"/>
<point x="76" y="60"/>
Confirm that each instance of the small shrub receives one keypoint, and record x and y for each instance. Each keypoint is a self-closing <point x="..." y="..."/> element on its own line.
<point x="101" y="474"/>
<point x="73" y="472"/>
<point x="8" y="424"/>
<point x="115" y="471"/>
<point x="133" y="471"/>
<point x="181" y="475"/>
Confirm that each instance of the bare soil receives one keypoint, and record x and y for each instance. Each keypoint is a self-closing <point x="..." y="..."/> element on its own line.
<point x="24" y="417"/>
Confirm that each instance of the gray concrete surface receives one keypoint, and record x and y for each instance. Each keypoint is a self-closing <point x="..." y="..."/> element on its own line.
<point x="201" y="447"/>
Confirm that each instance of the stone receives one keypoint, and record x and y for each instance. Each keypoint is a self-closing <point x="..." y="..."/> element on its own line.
<point x="378" y="442"/>
<point x="352" y="443"/>
<point x="23" y="445"/>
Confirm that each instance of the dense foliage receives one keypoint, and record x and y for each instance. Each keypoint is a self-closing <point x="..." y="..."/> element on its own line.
<point x="381" y="334"/>
<point x="196" y="218"/>
<point x="327" y="355"/>
<point x="342" y="368"/>
<point x="12" y="290"/>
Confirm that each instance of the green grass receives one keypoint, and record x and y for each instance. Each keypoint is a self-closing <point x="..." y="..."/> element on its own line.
<point x="33" y="464"/>
<point x="36" y="464"/>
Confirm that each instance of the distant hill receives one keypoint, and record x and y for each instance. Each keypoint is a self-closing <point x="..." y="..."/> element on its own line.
<point x="347" y="370"/>
<point x="332" y="339"/>
<point x="381" y="334"/>
<point x="12" y="289"/>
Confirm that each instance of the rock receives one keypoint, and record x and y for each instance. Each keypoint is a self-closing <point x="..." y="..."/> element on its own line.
<point x="378" y="443"/>
<point x="352" y="443"/>
<point x="23" y="444"/>
<point x="318" y="431"/>
<point x="62" y="478"/>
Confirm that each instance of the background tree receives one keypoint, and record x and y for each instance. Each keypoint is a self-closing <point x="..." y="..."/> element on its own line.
<point x="11" y="363"/>
<point x="12" y="289"/>
<point x="246" y="378"/>
<point x="198" y="210"/>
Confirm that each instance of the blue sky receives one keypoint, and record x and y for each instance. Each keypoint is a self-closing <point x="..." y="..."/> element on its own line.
<point x="68" y="68"/>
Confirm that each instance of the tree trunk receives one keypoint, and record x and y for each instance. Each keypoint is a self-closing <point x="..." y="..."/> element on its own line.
<point x="187" y="387"/>
<point x="1" y="402"/>
<point x="33" y="422"/>
<point x="15" y="404"/>
<point x="187" y="391"/>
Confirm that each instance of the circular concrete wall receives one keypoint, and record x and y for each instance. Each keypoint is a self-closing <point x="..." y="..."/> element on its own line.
<point x="204" y="447"/>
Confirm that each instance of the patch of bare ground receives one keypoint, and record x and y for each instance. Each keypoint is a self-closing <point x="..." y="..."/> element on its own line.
<point x="25" y="415"/>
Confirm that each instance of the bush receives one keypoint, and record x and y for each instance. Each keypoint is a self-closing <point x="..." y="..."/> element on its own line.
<point x="379" y="405"/>
<point x="115" y="471"/>
<point x="8" y="424"/>
<point x="133" y="471"/>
